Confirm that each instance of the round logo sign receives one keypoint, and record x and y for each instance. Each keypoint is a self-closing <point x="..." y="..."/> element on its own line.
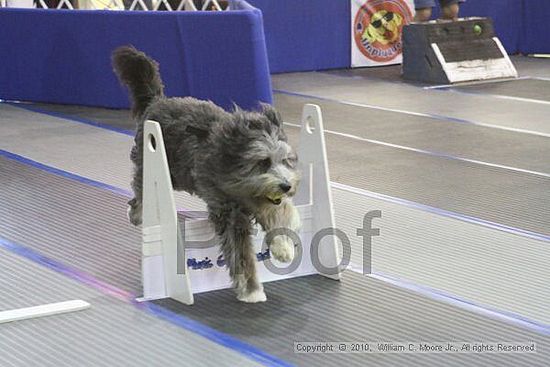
<point x="377" y="28"/>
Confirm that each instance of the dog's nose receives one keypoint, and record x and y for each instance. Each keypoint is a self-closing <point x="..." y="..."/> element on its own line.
<point x="285" y="187"/>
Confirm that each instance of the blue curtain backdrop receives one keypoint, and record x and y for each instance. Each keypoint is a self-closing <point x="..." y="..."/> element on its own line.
<point x="306" y="34"/>
<point x="535" y="36"/>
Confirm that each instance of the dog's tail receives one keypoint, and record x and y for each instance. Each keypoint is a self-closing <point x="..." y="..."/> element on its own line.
<point x="140" y="74"/>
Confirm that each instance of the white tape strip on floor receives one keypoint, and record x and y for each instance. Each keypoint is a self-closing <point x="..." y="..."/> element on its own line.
<point x="435" y="154"/>
<point x="412" y="113"/>
<point x="42" y="310"/>
<point x="412" y="236"/>
<point x="478" y="82"/>
<point x="500" y="96"/>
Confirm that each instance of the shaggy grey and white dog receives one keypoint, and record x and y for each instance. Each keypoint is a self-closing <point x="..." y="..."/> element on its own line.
<point x="239" y="163"/>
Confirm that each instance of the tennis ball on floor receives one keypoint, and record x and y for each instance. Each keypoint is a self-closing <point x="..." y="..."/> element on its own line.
<point x="478" y="30"/>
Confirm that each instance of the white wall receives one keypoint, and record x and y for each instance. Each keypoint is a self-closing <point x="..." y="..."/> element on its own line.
<point x="20" y="3"/>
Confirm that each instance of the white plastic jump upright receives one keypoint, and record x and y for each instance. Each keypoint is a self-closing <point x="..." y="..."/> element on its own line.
<point x="201" y="268"/>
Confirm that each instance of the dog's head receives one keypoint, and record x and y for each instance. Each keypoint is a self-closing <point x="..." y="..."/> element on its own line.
<point x="259" y="165"/>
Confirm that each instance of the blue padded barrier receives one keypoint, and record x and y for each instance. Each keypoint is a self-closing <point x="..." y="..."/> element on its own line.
<point x="63" y="56"/>
<point x="306" y="34"/>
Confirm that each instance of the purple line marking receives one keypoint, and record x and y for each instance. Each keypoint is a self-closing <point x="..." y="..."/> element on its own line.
<point x="445" y="213"/>
<point x="196" y="327"/>
<point x="502" y="315"/>
<point x="428" y="115"/>
<point x="33" y="108"/>
<point x="488" y="311"/>
<point x="65" y="174"/>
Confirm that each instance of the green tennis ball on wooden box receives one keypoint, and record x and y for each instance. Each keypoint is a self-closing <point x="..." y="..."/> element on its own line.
<point x="477" y="29"/>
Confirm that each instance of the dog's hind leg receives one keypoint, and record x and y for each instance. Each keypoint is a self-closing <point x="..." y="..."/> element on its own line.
<point x="234" y="229"/>
<point x="135" y="209"/>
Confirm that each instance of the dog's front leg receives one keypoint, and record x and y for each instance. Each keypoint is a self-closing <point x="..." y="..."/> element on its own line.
<point x="234" y="229"/>
<point x="276" y="217"/>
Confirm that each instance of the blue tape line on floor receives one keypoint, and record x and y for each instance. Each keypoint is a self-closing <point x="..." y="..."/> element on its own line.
<point x="326" y="99"/>
<point x="186" y="323"/>
<point x="59" y="172"/>
<point x="505" y="316"/>
<point x="420" y="114"/>
<point x="520" y="320"/>
<point x="444" y="213"/>
<point x="32" y="108"/>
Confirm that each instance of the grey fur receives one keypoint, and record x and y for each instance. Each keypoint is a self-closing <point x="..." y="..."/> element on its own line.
<point x="233" y="161"/>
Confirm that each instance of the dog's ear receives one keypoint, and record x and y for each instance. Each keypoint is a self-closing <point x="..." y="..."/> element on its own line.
<point x="197" y="131"/>
<point x="271" y="113"/>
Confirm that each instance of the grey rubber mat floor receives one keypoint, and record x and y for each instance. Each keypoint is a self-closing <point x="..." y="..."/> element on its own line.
<point x="106" y="117"/>
<point x="417" y="132"/>
<point x="390" y="138"/>
<point x="508" y="197"/>
<point x="535" y="89"/>
<point x="495" y="194"/>
<point x="421" y="133"/>
<point x="476" y="108"/>
<point x="304" y="309"/>
<point x="357" y="308"/>
<point x="414" y="255"/>
<point x="110" y="333"/>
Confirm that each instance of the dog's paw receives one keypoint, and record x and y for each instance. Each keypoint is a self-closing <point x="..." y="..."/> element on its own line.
<point x="255" y="296"/>
<point x="282" y="249"/>
<point x="134" y="215"/>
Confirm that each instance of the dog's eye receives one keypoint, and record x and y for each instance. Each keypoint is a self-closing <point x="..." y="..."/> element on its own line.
<point x="264" y="164"/>
<point x="289" y="162"/>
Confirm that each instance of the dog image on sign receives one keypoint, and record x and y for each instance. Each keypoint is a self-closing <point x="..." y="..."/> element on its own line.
<point x="377" y="26"/>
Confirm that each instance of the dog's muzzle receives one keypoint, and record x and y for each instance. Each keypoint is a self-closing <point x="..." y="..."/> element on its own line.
<point x="277" y="197"/>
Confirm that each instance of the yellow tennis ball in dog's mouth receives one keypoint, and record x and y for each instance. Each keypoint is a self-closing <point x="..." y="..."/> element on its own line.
<point x="275" y="197"/>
